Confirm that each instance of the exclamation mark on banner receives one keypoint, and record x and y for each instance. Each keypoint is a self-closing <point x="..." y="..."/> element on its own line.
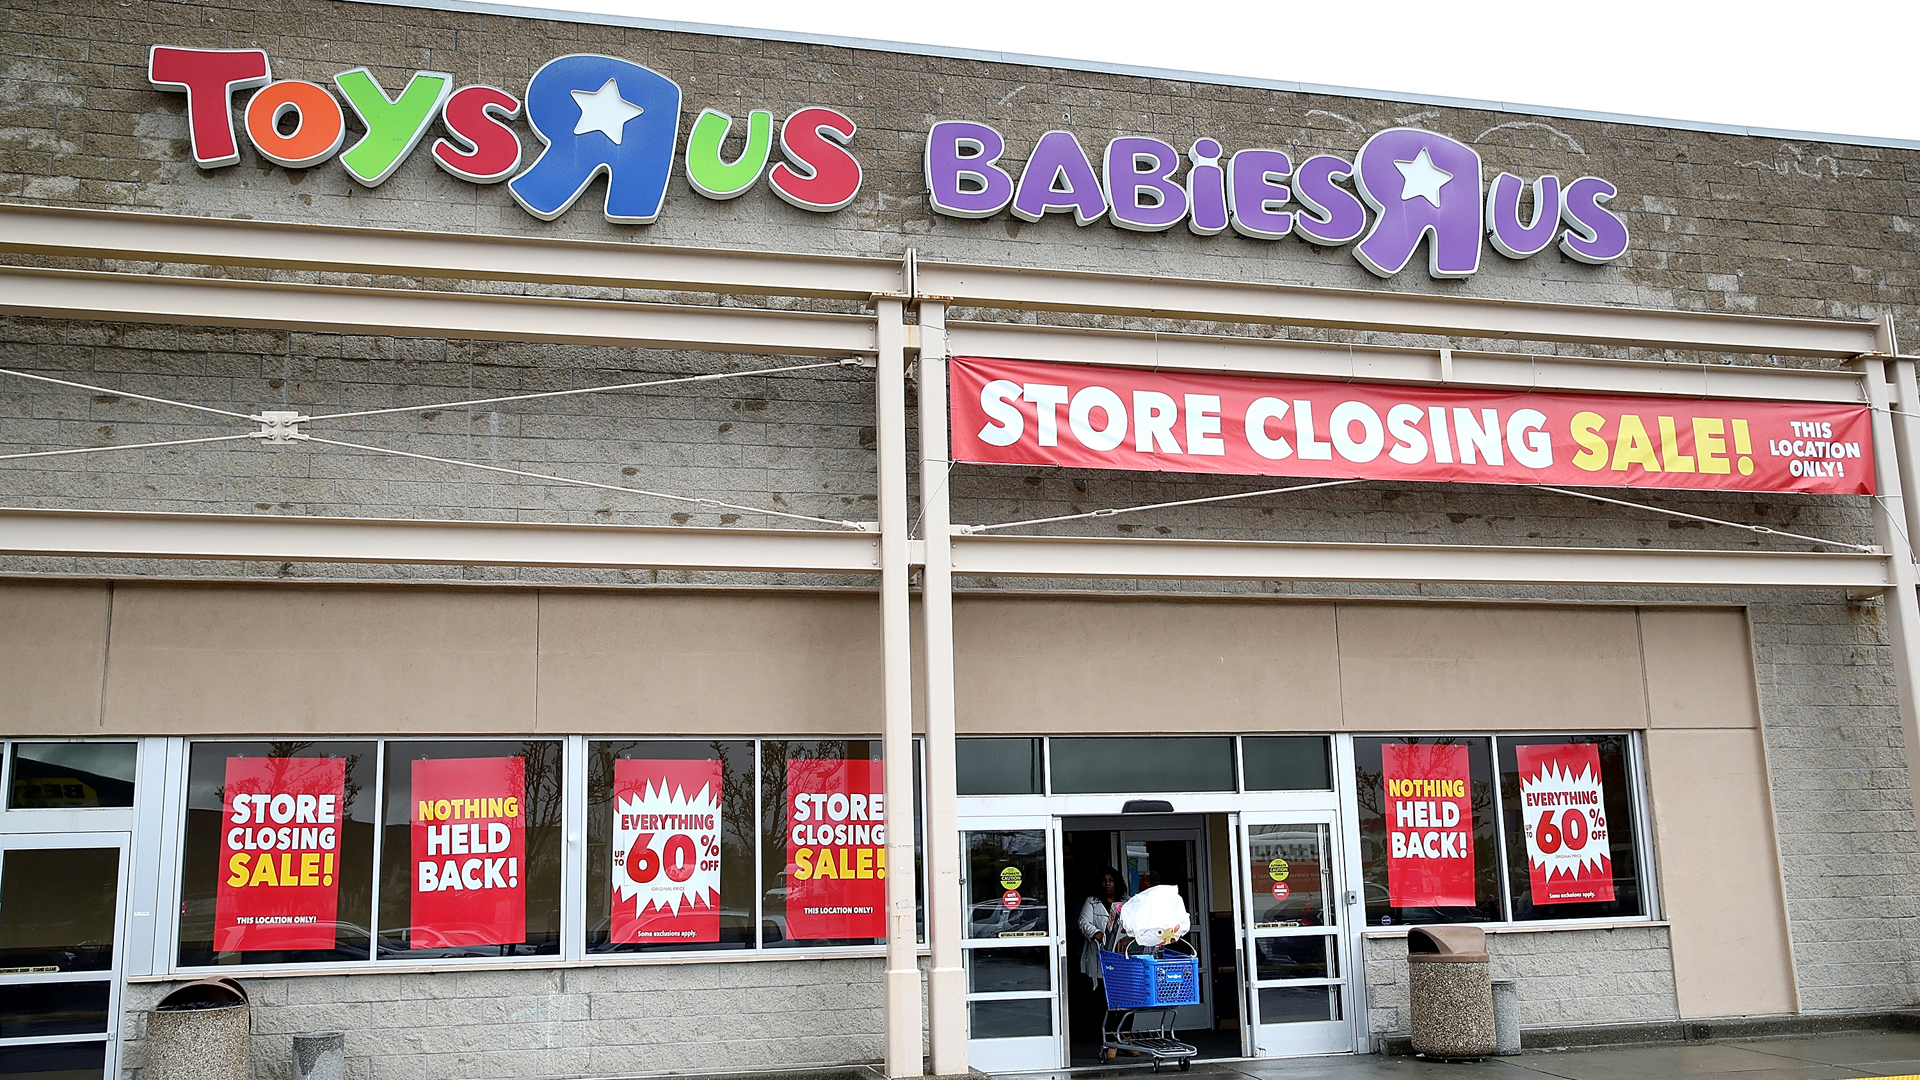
<point x="326" y="869"/>
<point x="1743" y="444"/>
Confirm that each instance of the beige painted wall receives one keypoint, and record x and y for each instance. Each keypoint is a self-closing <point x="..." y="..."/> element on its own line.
<point x="221" y="659"/>
<point x="53" y="655"/>
<point x="1713" y="825"/>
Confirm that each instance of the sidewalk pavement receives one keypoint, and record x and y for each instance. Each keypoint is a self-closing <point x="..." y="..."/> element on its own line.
<point x="1817" y="1057"/>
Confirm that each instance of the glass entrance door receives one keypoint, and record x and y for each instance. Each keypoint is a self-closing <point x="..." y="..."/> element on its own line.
<point x="1175" y="857"/>
<point x="1301" y="955"/>
<point x="60" y="954"/>
<point x="1013" y="945"/>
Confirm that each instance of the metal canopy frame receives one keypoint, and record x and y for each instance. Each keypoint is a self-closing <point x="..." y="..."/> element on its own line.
<point x="889" y="289"/>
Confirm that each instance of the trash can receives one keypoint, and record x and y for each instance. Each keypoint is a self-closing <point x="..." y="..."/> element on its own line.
<point x="200" y="1032"/>
<point x="1506" y="1017"/>
<point x="1452" y="991"/>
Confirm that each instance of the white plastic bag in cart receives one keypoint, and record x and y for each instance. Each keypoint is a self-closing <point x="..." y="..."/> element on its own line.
<point x="1155" y="916"/>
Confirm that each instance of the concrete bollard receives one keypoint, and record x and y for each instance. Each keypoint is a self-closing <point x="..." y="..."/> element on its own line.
<point x="1506" y="1017"/>
<point x="320" y="1055"/>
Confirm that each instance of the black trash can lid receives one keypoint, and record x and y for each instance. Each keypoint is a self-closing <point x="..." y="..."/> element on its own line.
<point x="218" y="992"/>
<point x="1446" y="945"/>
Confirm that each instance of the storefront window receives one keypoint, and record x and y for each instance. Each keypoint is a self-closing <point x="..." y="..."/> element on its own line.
<point x="277" y="863"/>
<point x="998" y="766"/>
<point x="670" y="845"/>
<point x="1429" y="848"/>
<point x="1123" y="765"/>
<point x="1571" y="851"/>
<point x="1286" y="763"/>
<point x="470" y="857"/>
<point x="71" y="775"/>
<point x="823" y="843"/>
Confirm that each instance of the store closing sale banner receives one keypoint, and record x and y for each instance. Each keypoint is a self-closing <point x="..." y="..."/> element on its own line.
<point x="280" y="854"/>
<point x="469" y="852"/>
<point x="666" y="850"/>
<point x="1429" y="812"/>
<point x="836" y="850"/>
<point x="1569" y="858"/>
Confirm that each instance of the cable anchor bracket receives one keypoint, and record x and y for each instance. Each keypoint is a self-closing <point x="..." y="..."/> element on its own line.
<point x="279" y="427"/>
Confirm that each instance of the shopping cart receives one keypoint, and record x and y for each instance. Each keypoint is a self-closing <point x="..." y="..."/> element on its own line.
<point x="1144" y="986"/>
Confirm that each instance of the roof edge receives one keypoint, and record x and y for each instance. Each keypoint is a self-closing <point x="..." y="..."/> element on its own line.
<point x="991" y="56"/>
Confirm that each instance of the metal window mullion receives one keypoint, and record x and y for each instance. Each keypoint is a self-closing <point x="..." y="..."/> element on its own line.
<point x="1352" y="880"/>
<point x="1500" y="830"/>
<point x="379" y="839"/>
<point x="107" y="1036"/>
<point x="172" y="855"/>
<point x="573" y="876"/>
<point x="759" y="856"/>
<point x="1645" y="864"/>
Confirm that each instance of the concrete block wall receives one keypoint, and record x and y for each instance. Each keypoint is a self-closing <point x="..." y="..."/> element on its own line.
<point x="1566" y="977"/>
<point x="541" y="1023"/>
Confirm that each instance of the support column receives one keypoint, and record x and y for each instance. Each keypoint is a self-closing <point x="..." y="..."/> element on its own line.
<point x="947" y="982"/>
<point x="1901" y="601"/>
<point x="903" y="1043"/>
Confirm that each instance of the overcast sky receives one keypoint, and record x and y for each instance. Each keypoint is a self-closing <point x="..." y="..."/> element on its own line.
<point x="1842" y="66"/>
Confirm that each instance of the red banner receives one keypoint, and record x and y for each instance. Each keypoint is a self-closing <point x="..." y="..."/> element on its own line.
<point x="280" y="854"/>
<point x="666" y="850"/>
<point x="836" y="850"/>
<point x="1018" y="412"/>
<point x="1563" y="810"/>
<point x="1429" y="811"/>
<point x="469" y="852"/>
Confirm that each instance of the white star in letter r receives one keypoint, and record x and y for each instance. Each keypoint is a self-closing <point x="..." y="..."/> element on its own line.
<point x="605" y="111"/>
<point x="1421" y="178"/>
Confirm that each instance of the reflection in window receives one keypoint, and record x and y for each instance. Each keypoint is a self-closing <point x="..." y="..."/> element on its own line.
<point x="1571" y="850"/>
<point x="277" y="863"/>
<point x="1286" y="763"/>
<point x="1429" y="849"/>
<point x="669" y="845"/>
<point x="57" y="908"/>
<point x="1292" y="878"/>
<point x="997" y="766"/>
<point x="69" y="775"/>
<point x="1123" y="765"/>
<point x="823" y="842"/>
<point x="1007" y="884"/>
<point x="470" y="858"/>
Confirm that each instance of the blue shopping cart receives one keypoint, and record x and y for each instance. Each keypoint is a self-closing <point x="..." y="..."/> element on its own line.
<point x="1144" y="986"/>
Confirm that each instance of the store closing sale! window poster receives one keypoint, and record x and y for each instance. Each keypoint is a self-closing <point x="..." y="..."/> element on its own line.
<point x="469" y="852"/>
<point x="1563" y="810"/>
<point x="836" y="849"/>
<point x="279" y="854"/>
<point x="666" y="850"/>
<point x="1429" y="815"/>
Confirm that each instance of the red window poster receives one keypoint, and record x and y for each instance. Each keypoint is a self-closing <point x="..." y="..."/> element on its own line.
<point x="836" y="850"/>
<point x="469" y="852"/>
<point x="280" y="854"/>
<point x="666" y="850"/>
<point x="1429" y="816"/>
<point x="1564" y="812"/>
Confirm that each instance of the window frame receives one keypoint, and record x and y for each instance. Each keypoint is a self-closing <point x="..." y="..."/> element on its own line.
<point x="1645" y="863"/>
<point x="171" y="859"/>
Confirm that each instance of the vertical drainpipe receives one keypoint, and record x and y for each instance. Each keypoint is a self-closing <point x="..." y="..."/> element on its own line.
<point x="1902" y="602"/>
<point x="946" y="983"/>
<point x="902" y="1015"/>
